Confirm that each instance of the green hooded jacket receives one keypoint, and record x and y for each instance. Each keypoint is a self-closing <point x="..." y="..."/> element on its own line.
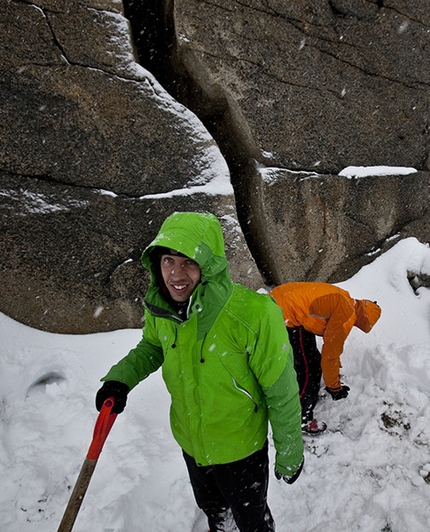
<point x="228" y="366"/>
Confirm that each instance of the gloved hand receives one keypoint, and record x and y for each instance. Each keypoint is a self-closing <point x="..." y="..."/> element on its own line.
<point x="290" y="479"/>
<point x="338" y="393"/>
<point x="117" y="390"/>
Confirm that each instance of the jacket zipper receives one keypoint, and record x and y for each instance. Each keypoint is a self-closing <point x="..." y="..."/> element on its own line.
<point x="236" y="385"/>
<point x="162" y="313"/>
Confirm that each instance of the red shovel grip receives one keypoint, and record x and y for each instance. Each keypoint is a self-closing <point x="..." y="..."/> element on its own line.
<point x="104" y="423"/>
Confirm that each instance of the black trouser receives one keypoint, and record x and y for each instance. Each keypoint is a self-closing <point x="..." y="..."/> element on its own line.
<point x="307" y="363"/>
<point x="239" y="487"/>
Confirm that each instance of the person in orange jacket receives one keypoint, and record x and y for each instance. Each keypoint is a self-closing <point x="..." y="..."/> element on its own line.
<point x="320" y="309"/>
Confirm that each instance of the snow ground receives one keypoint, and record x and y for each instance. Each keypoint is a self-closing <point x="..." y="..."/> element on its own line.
<point x="369" y="473"/>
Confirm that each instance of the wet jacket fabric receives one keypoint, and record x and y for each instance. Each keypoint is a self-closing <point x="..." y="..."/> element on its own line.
<point x="228" y="366"/>
<point x="328" y="311"/>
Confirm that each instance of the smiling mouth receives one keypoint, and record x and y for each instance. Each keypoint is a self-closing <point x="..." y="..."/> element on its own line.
<point x="178" y="287"/>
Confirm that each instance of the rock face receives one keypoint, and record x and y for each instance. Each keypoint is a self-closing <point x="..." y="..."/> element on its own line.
<point x="90" y="144"/>
<point x="340" y="222"/>
<point x="316" y="87"/>
<point x="95" y="151"/>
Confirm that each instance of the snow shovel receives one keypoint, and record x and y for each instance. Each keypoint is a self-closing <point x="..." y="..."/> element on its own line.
<point x="102" y="428"/>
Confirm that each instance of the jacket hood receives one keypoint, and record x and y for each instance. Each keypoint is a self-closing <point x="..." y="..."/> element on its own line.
<point x="199" y="236"/>
<point x="367" y="314"/>
<point x="196" y="235"/>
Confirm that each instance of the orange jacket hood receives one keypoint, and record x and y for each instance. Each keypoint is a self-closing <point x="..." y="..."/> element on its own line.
<point x="367" y="314"/>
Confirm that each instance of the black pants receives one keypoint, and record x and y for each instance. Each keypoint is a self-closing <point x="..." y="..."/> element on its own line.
<point x="307" y="363"/>
<point x="238" y="487"/>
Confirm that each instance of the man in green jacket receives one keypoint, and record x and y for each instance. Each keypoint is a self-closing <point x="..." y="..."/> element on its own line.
<point x="228" y="366"/>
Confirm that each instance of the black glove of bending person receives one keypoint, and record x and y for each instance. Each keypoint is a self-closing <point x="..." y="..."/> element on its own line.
<point x="339" y="393"/>
<point x="117" y="390"/>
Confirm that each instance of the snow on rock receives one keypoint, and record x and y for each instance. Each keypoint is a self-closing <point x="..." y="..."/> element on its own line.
<point x="366" y="171"/>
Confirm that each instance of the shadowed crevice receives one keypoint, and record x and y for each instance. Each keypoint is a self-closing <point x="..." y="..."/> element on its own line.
<point x="180" y="73"/>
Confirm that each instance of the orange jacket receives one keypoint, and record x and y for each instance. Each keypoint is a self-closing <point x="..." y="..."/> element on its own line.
<point x="327" y="311"/>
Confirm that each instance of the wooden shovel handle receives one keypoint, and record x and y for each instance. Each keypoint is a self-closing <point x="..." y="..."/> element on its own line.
<point x="102" y="427"/>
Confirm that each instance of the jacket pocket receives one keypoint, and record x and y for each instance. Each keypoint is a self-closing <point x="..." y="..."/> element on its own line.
<point x="243" y="379"/>
<point x="245" y="392"/>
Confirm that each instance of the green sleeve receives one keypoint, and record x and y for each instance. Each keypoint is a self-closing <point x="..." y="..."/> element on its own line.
<point x="140" y="362"/>
<point x="272" y="346"/>
<point x="285" y="419"/>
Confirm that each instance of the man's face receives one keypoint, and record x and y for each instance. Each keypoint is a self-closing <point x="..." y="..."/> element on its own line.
<point x="181" y="275"/>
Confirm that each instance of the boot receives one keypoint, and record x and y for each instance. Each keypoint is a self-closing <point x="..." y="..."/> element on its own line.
<point x="314" y="427"/>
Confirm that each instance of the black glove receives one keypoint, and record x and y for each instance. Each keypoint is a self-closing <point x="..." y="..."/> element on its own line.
<point x="339" y="393"/>
<point x="117" y="390"/>
<point x="293" y="477"/>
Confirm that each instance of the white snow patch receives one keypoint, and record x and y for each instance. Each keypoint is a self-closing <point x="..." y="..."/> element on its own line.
<point x="367" y="171"/>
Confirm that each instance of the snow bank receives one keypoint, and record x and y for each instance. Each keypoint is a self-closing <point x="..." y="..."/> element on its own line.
<point x="369" y="473"/>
